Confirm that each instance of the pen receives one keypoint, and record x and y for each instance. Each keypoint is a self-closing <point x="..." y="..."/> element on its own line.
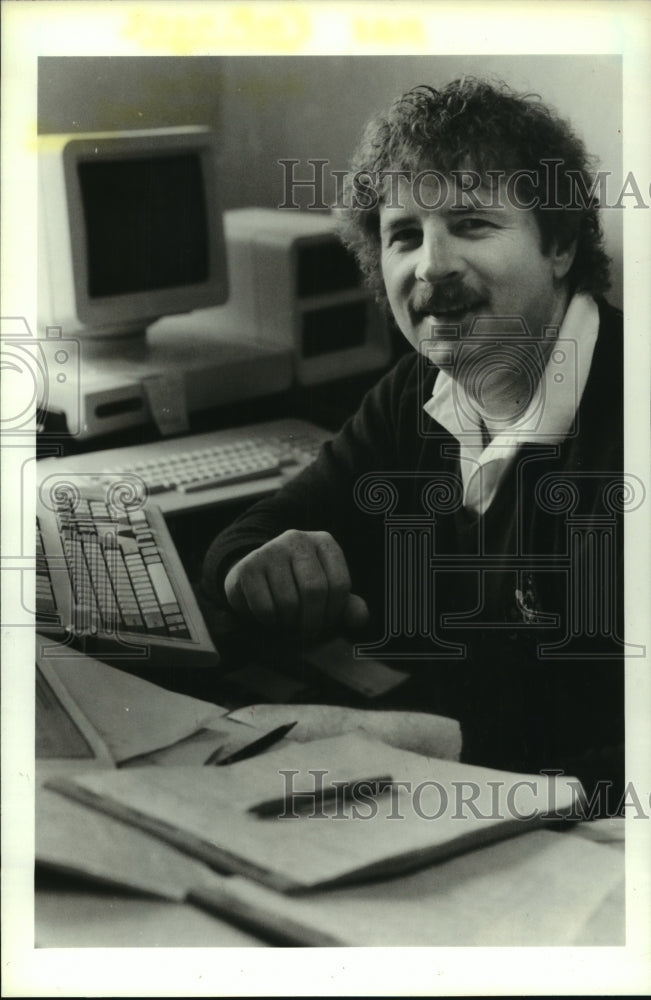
<point x="348" y="790"/>
<point x="251" y="749"/>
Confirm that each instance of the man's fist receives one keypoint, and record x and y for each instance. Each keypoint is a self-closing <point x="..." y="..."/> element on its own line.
<point x="298" y="581"/>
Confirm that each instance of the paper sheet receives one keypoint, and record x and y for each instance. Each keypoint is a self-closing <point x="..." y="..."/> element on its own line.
<point x="77" y="840"/>
<point x="368" y="677"/>
<point x="544" y="889"/>
<point x="132" y="715"/>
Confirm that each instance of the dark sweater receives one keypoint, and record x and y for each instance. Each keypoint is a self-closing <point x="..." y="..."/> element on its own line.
<point x="520" y="707"/>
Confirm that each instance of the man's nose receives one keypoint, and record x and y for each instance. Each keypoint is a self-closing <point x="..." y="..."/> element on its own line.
<point x="438" y="257"/>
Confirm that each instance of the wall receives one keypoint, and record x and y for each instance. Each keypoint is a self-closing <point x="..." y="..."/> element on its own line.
<point x="269" y="108"/>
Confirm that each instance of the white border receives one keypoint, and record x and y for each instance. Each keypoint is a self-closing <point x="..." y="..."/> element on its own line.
<point x="209" y="27"/>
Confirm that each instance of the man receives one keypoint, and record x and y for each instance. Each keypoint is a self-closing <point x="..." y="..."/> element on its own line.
<point x="492" y="446"/>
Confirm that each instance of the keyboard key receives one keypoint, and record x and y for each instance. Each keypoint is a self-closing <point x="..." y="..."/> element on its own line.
<point x="161" y="584"/>
<point x="154" y="620"/>
<point x="180" y="631"/>
<point x="154" y="488"/>
<point x="45" y="603"/>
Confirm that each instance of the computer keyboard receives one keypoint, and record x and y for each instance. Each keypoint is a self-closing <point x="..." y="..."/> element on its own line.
<point x="109" y="579"/>
<point x="203" y="469"/>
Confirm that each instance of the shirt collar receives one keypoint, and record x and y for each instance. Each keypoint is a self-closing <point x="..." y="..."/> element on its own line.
<point x="550" y="415"/>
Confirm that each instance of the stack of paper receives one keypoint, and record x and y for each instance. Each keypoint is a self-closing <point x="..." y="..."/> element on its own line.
<point x="433" y="809"/>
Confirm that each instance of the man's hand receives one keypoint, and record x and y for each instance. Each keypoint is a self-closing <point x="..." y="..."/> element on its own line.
<point x="298" y="581"/>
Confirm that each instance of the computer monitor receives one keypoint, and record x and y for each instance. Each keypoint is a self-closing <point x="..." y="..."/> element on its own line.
<point x="293" y="283"/>
<point x="130" y="230"/>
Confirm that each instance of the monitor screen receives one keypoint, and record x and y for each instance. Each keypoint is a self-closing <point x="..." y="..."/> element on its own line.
<point x="145" y="223"/>
<point x="325" y="266"/>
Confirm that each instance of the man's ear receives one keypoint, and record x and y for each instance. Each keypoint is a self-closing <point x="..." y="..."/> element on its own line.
<point x="562" y="259"/>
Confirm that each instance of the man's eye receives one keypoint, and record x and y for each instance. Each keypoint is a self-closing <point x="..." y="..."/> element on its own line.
<point x="473" y="224"/>
<point x="408" y="235"/>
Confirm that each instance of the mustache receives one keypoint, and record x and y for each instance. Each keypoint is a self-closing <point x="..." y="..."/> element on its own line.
<point x="449" y="297"/>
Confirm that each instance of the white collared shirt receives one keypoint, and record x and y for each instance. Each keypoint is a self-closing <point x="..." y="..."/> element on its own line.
<point x="547" y="419"/>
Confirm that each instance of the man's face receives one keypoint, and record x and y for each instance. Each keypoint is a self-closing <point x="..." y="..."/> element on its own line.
<point x="446" y="266"/>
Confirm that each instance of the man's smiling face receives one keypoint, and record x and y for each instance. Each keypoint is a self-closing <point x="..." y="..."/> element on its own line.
<point x="445" y="266"/>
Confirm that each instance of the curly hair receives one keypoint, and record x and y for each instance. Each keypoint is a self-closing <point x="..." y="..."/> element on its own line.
<point x="474" y="124"/>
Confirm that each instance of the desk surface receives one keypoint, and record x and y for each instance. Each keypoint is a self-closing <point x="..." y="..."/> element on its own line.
<point x="544" y="888"/>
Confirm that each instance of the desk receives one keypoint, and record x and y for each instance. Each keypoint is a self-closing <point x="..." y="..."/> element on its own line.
<point x="555" y="886"/>
<point x="545" y="888"/>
